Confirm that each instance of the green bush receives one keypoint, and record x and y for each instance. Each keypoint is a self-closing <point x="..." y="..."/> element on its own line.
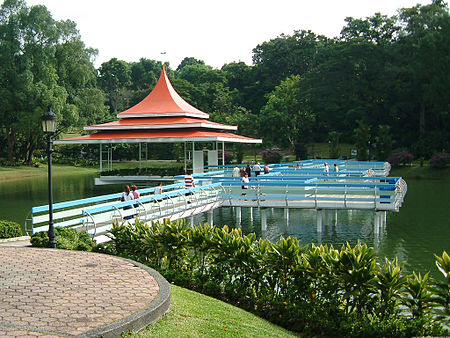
<point x="316" y="290"/>
<point x="66" y="238"/>
<point x="9" y="229"/>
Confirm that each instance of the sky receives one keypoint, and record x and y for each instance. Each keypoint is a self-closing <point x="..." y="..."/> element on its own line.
<point x="217" y="32"/>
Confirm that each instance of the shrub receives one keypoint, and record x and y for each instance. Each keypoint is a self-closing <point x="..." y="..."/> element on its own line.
<point x="228" y="157"/>
<point x="9" y="229"/>
<point x="316" y="290"/>
<point x="271" y="156"/>
<point x="66" y="238"/>
<point x="440" y="160"/>
<point x="400" y="158"/>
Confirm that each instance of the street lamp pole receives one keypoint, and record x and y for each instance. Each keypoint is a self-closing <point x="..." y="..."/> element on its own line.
<point x="49" y="127"/>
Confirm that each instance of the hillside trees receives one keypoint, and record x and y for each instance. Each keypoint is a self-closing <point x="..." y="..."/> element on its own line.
<point x="44" y="63"/>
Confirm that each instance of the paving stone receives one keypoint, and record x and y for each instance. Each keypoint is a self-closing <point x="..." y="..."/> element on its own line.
<point x="46" y="291"/>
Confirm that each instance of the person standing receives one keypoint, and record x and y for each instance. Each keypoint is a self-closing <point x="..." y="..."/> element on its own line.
<point x="336" y="168"/>
<point x="242" y="172"/>
<point x="326" y="168"/>
<point x="257" y="169"/>
<point x="245" y="181"/>
<point x="135" y="194"/>
<point x="236" y="172"/>
<point x="158" y="189"/>
<point x="189" y="181"/>
<point x="266" y="169"/>
<point x="248" y="170"/>
<point x="126" y="195"/>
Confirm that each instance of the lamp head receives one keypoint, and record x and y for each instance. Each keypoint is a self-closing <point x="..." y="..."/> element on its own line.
<point x="49" y="121"/>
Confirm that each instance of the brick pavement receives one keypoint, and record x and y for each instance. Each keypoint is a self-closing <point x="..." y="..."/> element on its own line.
<point x="50" y="293"/>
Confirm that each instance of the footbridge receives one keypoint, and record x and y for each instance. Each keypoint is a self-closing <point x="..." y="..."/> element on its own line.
<point x="284" y="187"/>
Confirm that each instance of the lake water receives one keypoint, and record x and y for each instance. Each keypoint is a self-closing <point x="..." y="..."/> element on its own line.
<point x="419" y="230"/>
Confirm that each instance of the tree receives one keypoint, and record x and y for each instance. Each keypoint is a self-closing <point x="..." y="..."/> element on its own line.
<point x="286" y="120"/>
<point x="44" y="63"/>
<point x="362" y="140"/>
<point x="281" y="57"/>
<point x="114" y="78"/>
<point x="189" y="61"/>
<point x="145" y="74"/>
<point x="383" y="142"/>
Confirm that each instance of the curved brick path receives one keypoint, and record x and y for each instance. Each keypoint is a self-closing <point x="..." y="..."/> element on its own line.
<point x="50" y="293"/>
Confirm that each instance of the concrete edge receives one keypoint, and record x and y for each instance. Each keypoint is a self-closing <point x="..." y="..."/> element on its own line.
<point x="14" y="239"/>
<point x="158" y="307"/>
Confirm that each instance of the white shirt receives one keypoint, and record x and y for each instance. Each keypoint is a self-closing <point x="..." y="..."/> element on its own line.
<point x="236" y="172"/>
<point x="127" y="197"/>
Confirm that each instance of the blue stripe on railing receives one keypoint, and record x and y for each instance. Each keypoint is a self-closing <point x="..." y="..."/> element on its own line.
<point x="103" y="198"/>
<point x="95" y="210"/>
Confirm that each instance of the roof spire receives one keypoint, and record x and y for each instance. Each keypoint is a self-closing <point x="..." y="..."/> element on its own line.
<point x="163" y="101"/>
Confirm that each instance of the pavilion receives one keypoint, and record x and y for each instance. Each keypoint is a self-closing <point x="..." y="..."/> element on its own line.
<point x="164" y="117"/>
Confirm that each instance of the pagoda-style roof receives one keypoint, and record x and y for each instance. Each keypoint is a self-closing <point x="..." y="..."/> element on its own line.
<point x="163" y="116"/>
<point x="166" y="136"/>
<point x="162" y="101"/>
<point x="160" y="123"/>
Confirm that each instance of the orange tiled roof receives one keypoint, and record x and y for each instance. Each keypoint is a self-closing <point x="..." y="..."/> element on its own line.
<point x="163" y="101"/>
<point x="160" y="123"/>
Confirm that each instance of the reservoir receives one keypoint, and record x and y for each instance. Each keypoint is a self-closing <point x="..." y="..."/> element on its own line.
<point x="420" y="229"/>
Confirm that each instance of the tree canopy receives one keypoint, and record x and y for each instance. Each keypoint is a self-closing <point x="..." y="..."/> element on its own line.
<point x="383" y="83"/>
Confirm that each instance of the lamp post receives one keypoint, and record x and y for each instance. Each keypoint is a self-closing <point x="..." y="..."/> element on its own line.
<point x="49" y="127"/>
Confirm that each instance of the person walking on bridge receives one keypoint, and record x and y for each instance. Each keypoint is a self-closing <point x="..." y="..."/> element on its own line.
<point x="236" y="172"/>
<point x="189" y="181"/>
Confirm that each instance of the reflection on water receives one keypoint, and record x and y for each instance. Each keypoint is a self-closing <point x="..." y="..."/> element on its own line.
<point x="419" y="230"/>
<point x="414" y="234"/>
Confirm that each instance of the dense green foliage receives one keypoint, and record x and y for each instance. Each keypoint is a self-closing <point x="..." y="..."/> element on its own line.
<point x="377" y="85"/>
<point x="317" y="290"/>
<point x="66" y="238"/>
<point x="9" y="229"/>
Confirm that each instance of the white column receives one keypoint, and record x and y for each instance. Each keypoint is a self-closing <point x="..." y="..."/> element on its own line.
<point x="210" y="217"/>
<point x="250" y="214"/>
<point x="263" y="219"/>
<point x="140" y="155"/>
<point x="191" y="220"/>
<point x="286" y="214"/>
<point x="185" y="159"/>
<point x="223" y="153"/>
<point x="101" y="159"/>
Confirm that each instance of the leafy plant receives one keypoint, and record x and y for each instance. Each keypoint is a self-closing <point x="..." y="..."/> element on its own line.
<point x="271" y="156"/>
<point x="441" y="290"/>
<point x="66" y="238"/>
<point x="318" y="290"/>
<point x="9" y="229"/>
<point x="400" y="158"/>
<point x="440" y="160"/>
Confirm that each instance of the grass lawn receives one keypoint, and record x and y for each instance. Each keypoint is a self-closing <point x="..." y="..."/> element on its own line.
<point x="195" y="315"/>
<point x="315" y="150"/>
<point x="419" y="172"/>
<point x="28" y="172"/>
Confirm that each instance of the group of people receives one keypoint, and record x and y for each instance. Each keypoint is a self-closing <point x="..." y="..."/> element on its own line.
<point x="241" y="172"/>
<point x="132" y="193"/>
<point x="327" y="168"/>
